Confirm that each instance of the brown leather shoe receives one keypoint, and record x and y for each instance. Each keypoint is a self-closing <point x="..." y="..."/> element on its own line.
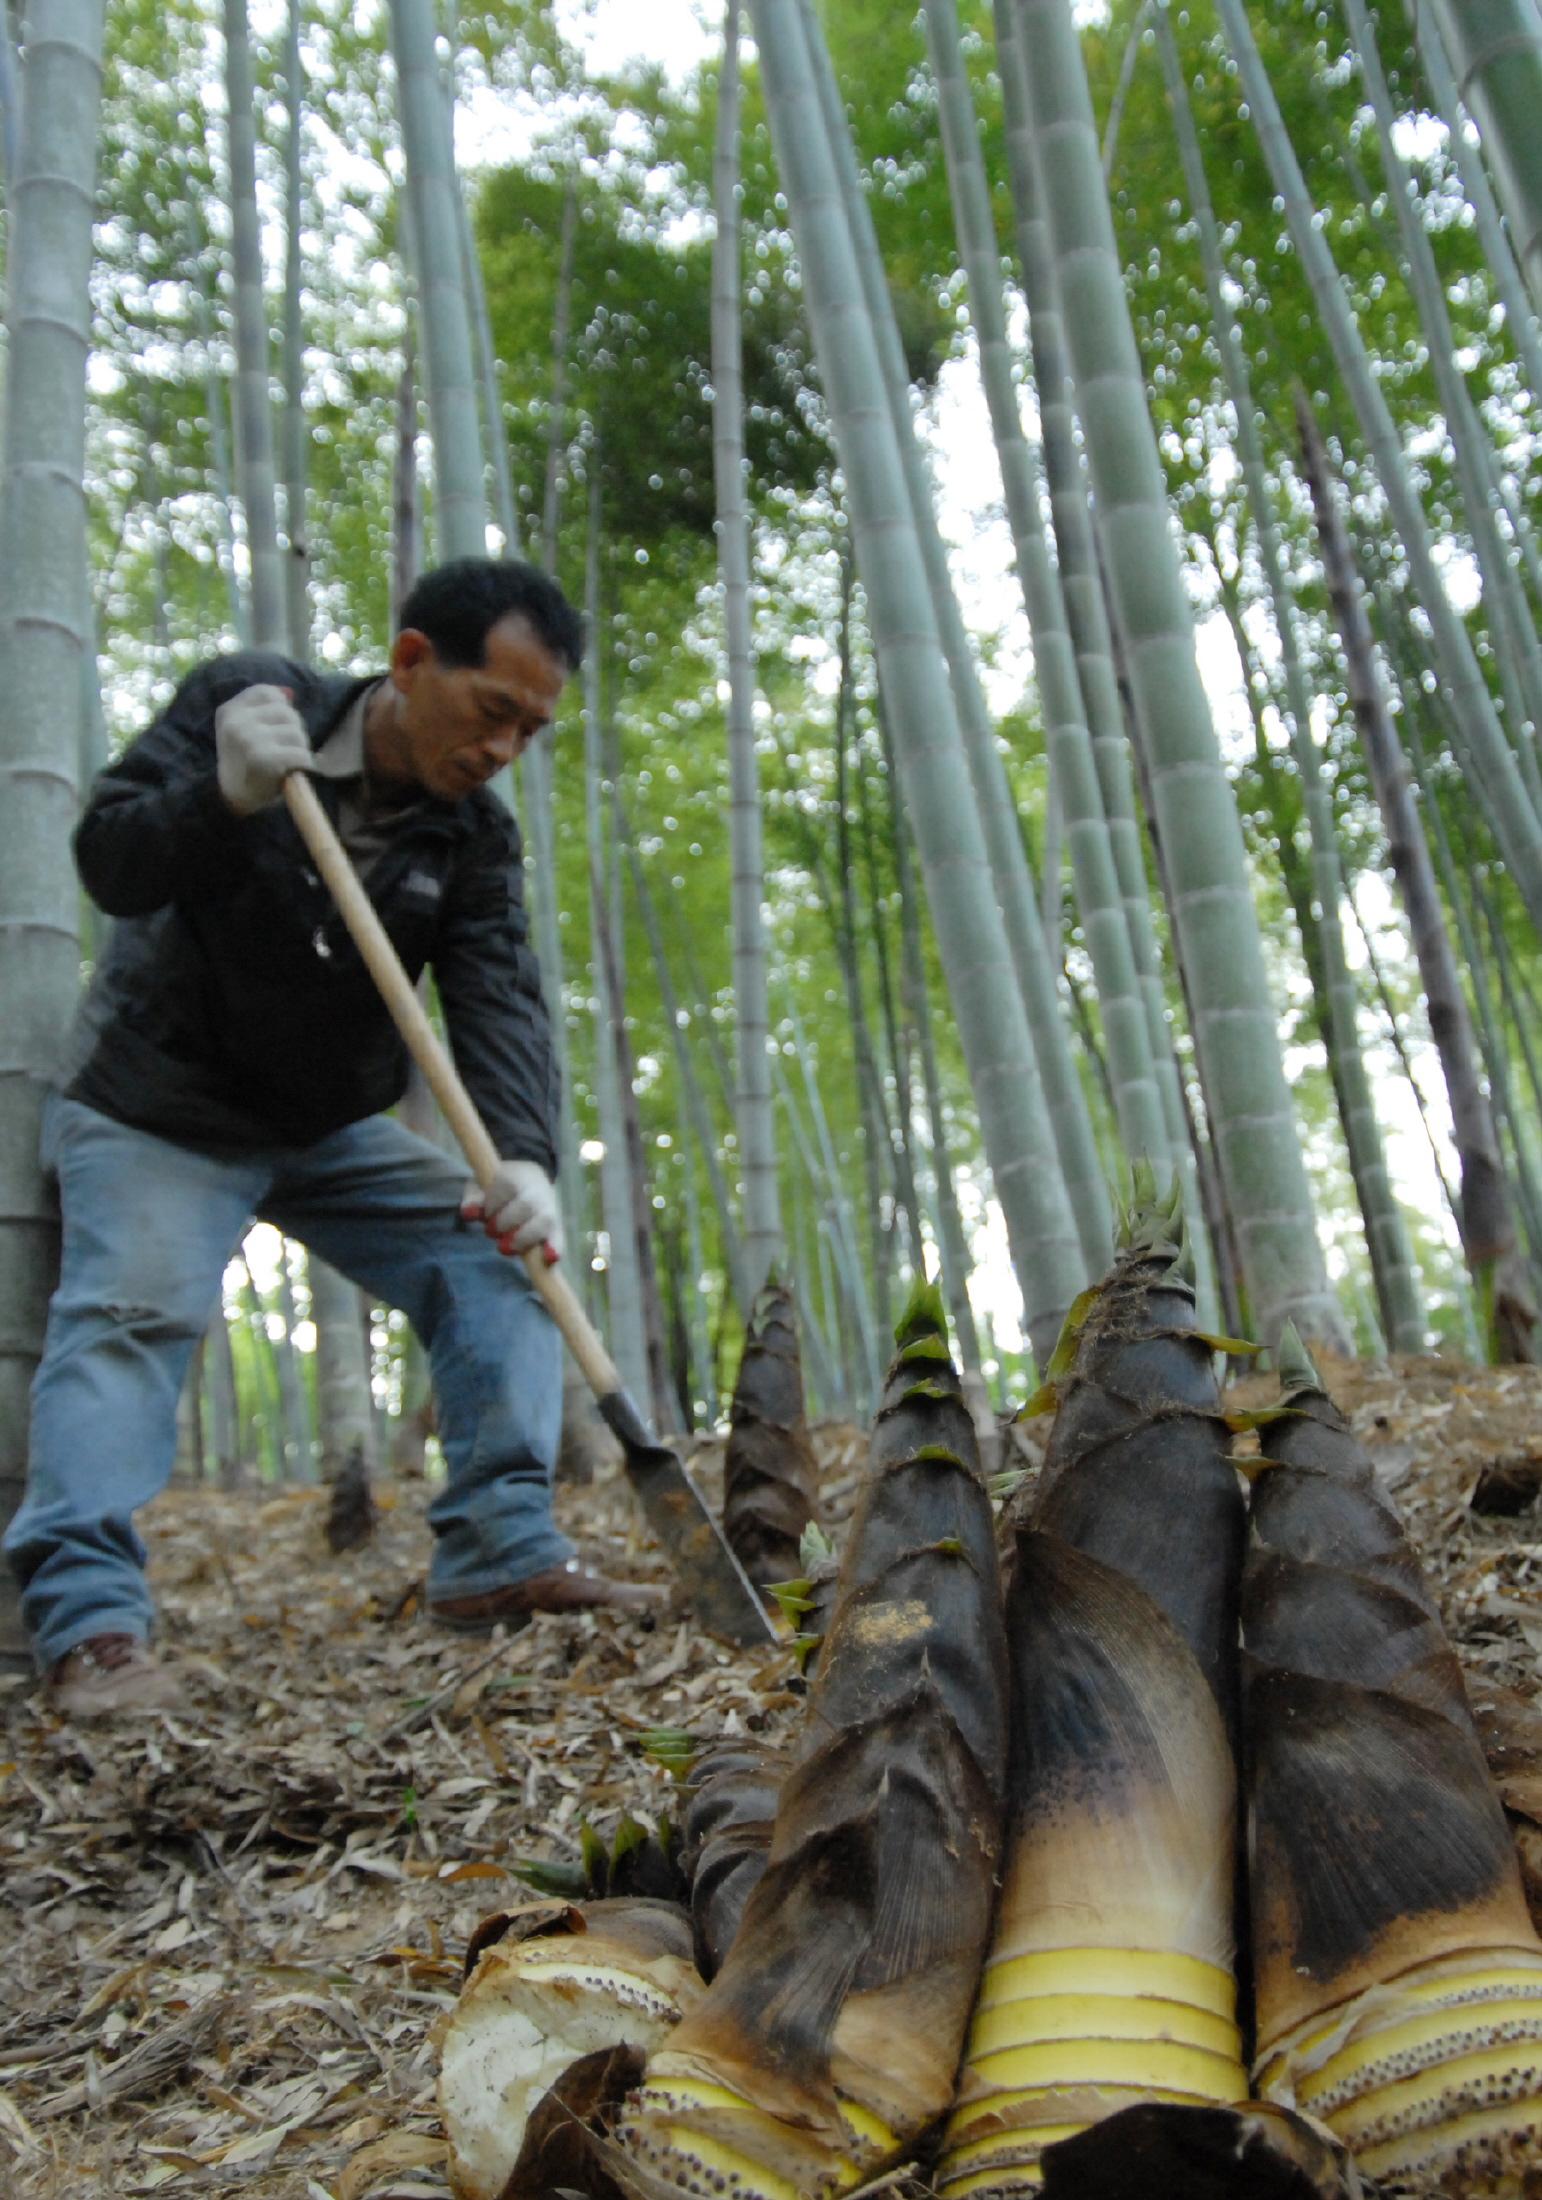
<point x="571" y="1587"/>
<point x="111" y="1673"/>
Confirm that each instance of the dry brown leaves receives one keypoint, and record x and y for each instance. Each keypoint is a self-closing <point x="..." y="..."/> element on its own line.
<point x="228" y="1936"/>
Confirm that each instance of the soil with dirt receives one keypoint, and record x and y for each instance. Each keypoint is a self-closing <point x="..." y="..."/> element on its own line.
<point x="229" y="1933"/>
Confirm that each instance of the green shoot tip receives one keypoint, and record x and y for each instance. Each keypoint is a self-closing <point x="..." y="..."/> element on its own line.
<point x="1294" y="1363"/>
<point x="924" y="1315"/>
<point x="814" y="1547"/>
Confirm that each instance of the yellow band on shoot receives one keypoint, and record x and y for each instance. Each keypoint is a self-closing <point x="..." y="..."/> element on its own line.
<point x="1133" y="1971"/>
<point x="1100" y="2017"/>
<point x="1143" y="2063"/>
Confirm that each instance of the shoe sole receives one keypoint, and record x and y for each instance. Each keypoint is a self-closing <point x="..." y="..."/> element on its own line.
<point x="480" y="1630"/>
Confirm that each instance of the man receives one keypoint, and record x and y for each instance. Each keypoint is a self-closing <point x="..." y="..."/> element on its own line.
<point x="232" y="1058"/>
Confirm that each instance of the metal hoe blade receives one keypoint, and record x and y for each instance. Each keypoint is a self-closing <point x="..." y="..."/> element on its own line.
<point x="721" y="1591"/>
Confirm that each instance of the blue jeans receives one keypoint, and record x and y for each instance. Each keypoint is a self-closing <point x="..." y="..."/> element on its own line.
<point x="148" y="1230"/>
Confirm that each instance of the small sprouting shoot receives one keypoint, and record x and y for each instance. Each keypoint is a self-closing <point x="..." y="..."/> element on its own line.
<point x="673" y="1747"/>
<point x="924" y="1323"/>
<point x="1296" y="1369"/>
<point x="814" y="1547"/>
<point x="1152" y="1222"/>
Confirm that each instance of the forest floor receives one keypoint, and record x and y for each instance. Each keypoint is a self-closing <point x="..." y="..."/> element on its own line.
<point x="228" y="1934"/>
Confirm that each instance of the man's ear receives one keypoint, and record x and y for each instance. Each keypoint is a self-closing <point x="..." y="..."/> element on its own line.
<point x="410" y="649"/>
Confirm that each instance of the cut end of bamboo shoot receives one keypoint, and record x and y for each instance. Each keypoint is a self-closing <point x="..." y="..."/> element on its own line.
<point x="559" y="1985"/>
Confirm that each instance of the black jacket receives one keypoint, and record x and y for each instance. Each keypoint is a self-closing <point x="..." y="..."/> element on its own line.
<point x="231" y="1009"/>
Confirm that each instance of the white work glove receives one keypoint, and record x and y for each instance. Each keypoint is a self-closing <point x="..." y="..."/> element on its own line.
<point x="519" y="1208"/>
<point x="259" y="739"/>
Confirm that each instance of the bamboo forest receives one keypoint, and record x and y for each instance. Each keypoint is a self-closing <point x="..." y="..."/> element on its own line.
<point x="1009" y="535"/>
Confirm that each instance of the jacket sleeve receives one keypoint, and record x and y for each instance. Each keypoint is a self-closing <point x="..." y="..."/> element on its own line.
<point x="490" y="989"/>
<point x="156" y="828"/>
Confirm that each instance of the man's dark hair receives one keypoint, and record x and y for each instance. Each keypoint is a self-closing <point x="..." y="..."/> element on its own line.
<point x="457" y="604"/>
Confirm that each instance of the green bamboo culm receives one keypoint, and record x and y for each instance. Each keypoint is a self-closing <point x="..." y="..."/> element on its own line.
<point x="43" y="637"/>
<point x="1137" y="1100"/>
<point x="1392" y="1264"/>
<point x="1495" y="48"/>
<point x="752" y="1094"/>
<point x="254" y="409"/>
<point x="1036" y="967"/>
<point x="460" y="498"/>
<point x="986" y="1004"/>
<point x="1081" y="587"/>
<point x="1517" y="826"/>
<point x="1252" y="1118"/>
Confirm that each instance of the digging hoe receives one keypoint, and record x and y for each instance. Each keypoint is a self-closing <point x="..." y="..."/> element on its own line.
<point x="720" y="1590"/>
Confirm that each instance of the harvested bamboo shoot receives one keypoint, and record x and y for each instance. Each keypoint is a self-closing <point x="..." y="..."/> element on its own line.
<point x="1398" y="1975"/>
<point x="770" y="1480"/>
<point x="829" y="2040"/>
<point x="1109" y="1982"/>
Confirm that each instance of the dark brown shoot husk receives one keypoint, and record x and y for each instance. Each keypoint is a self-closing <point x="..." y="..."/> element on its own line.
<point x="725" y="1834"/>
<point x="1138" y="1470"/>
<point x="1398" y="1978"/>
<point x="1378" y="1840"/>
<point x="770" y="1479"/>
<point x="851" y="1977"/>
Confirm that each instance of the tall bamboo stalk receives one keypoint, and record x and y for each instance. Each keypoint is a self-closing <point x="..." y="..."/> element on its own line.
<point x="345" y="1405"/>
<point x="1082" y="590"/>
<point x="666" y="1411"/>
<point x="1509" y="615"/>
<point x="1085" y="597"/>
<point x="536" y="809"/>
<point x="1487" y="1225"/>
<point x="43" y="624"/>
<point x="877" y="1144"/>
<point x="1033" y="965"/>
<point x="623" y="1283"/>
<point x="556" y="423"/>
<point x="254" y="403"/>
<point x="850" y="1307"/>
<point x="1233" y="1017"/>
<point x="1520" y="317"/>
<point x="297" y="562"/>
<point x="1391" y="1256"/>
<point x="1495" y="762"/>
<point x="752" y="1109"/>
<point x="952" y="1245"/>
<point x="986" y="1002"/>
<point x="1137" y="1101"/>
<point x="1495" y="47"/>
<point x="214" y="408"/>
<point x="406" y="496"/>
<point x="460" y="500"/>
<point x="690" y="1084"/>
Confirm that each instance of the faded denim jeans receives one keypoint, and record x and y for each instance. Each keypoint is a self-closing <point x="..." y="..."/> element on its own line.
<point x="148" y="1230"/>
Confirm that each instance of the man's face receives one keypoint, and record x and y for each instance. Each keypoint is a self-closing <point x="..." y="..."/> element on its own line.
<point x="454" y="727"/>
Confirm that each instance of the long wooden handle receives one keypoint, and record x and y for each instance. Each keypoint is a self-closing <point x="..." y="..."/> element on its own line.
<point x="407" y="1013"/>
